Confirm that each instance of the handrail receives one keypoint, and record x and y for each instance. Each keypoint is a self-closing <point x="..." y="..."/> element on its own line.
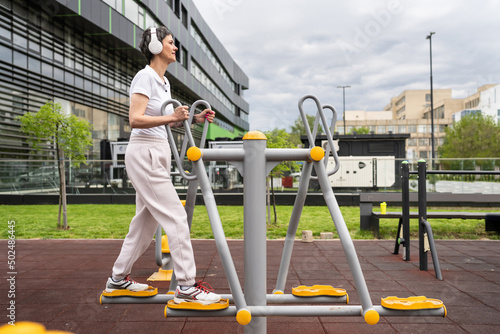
<point x="312" y="136"/>
<point x="188" y="137"/>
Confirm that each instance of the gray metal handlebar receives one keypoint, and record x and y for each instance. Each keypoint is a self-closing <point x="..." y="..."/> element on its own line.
<point x="312" y="136"/>
<point x="188" y="137"/>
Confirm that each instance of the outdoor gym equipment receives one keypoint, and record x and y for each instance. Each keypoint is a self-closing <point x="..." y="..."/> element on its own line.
<point x="254" y="161"/>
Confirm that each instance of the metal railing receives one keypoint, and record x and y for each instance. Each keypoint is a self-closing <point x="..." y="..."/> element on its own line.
<point x="100" y="176"/>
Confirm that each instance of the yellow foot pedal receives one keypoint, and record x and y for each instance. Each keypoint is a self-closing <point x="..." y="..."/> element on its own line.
<point x="411" y="303"/>
<point x="161" y="275"/>
<point x="122" y="293"/>
<point x="318" y="290"/>
<point x="222" y="304"/>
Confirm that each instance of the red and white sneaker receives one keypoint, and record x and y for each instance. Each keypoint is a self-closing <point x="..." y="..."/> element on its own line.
<point x="125" y="284"/>
<point x="201" y="293"/>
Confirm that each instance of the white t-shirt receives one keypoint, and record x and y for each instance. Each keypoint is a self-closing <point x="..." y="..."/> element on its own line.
<point x="147" y="82"/>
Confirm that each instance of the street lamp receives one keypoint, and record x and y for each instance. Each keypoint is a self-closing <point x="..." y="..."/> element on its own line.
<point x="343" y="94"/>
<point x="429" y="37"/>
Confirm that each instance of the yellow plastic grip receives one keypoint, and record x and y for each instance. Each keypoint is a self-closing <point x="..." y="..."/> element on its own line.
<point x="194" y="153"/>
<point x="243" y="317"/>
<point x="317" y="153"/>
<point x="372" y="317"/>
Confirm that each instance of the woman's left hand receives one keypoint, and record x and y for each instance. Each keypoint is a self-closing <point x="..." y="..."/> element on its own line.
<point x="205" y="114"/>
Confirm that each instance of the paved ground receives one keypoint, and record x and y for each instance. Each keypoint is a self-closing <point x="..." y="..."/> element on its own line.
<point x="58" y="283"/>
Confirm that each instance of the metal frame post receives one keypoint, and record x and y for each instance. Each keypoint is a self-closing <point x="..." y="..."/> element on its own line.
<point x="405" y="197"/>
<point x="254" y="204"/>
<point x="422" y="212"/>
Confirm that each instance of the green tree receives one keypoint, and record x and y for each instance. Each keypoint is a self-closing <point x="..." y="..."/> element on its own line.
<point x="360" y="131"/>
<point x="71" y="136"/>
<point x="279" y="138"/>
<point x="298" y="129"/>
<point x="474" y="136"/>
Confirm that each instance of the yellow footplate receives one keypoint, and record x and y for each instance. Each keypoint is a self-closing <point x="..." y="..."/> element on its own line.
<point x="121" y="293"/>
<point x="318" y="290"/>
<point x="411" y="303"/>
<point x="161" y="275"/>
<point x="222" y="304"/>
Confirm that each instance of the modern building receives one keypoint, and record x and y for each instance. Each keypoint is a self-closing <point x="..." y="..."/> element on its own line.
<point x="486" y="101"/>
<point x="409" y="113"/>
<point x="84" y="55"/>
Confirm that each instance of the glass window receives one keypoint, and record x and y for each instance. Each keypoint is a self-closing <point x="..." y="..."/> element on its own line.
<point x="380" y="129"/>
<point x="100" y="124"/>
<point x="5" y="53"/>
<point x="412" y="141"/>
<point x="401" y="128"/>
<point x="113" y="126"/>
<point x="20" y="41"/>
<point x="422" y="128"/>
<point x="391" y="128"/>
<point x="69" y="78"/>
<point x="78" y="82"/>
<point x="131" y="11"/>
<point x="5" y="33"/>
<point x="412" y="128"/>
<point x="34" y="46"/>
<point x="83" y="112"/>
<point x="58" y="57"/>
<point x="34" y="65"/>
<point x="46" y="52"/>
<point x="20" y="60"/>
<point x="47" y="69"/>
<point x="422" y="141"/>
<point x="58" y="74"/>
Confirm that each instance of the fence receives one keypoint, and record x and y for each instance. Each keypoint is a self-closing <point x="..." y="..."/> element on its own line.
<point x="105" y="176"/>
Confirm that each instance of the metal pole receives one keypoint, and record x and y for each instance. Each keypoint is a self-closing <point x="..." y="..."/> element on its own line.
<point x="254" y="217"/>
<point x="343" y="95"/>
<point x="422" y="212"/>
<point x="429" y="37"/>
<point x="405" y="198"/>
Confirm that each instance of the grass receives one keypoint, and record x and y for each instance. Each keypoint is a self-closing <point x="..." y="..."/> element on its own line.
<point x="88" y="221"/>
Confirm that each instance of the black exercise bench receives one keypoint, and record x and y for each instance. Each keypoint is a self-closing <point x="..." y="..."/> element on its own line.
<point x="369" y="220"/>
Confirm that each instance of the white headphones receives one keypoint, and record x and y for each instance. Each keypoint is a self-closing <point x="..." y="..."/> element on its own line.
<point x="154" y="46"/>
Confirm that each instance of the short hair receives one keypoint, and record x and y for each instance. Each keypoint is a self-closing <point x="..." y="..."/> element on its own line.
<point x="161" y="33"/>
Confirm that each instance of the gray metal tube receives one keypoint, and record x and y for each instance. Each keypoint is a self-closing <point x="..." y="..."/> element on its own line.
<point x="300" y="199"/>
<point x="309" y="311"/>
<point x="271" y="299"/>
<point x="223" y="155"/>
<point x="345" y="237"/>
<point x="435" y="260"/>
<point x="290" y="154"/>
<point x="255" y="247"/>
<point x="219" y="236"/>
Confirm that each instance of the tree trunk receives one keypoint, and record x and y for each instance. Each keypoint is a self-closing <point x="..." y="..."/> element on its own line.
<point x="62" y="191"/>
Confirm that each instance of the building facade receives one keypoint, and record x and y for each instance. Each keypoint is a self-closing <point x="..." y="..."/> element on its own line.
<point x="410" y="113"/>
<point x="84" y="54"/>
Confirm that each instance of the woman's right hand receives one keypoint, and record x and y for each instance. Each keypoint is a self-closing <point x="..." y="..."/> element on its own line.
<point x="181" y="113"/>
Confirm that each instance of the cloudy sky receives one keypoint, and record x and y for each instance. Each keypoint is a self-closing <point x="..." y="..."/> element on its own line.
<point x="289" y="48"/>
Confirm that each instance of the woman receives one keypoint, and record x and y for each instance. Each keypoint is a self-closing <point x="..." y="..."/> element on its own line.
<point x="148" y="160"/>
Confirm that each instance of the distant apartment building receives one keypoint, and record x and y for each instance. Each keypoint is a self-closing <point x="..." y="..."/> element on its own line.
<point x="410" y="112"/>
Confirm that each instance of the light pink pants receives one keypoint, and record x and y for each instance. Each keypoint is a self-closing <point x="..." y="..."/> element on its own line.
<point x="148" y="166"/>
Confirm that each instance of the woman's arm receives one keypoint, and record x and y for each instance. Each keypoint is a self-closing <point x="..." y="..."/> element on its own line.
<point x="138" y="119"/>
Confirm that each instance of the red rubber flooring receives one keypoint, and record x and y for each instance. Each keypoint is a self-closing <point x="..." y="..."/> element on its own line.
<point x="58" y="284"/>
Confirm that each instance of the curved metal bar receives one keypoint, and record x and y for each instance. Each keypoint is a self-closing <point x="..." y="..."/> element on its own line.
<point x="188" y="137"/>
<point x="312" y="136"/>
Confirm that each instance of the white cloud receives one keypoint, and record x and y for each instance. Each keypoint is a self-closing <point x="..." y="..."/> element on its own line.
<point x="292" y="48"/>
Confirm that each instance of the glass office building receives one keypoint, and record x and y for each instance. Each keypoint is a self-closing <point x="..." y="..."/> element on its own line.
<point x="84" y="54"/>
